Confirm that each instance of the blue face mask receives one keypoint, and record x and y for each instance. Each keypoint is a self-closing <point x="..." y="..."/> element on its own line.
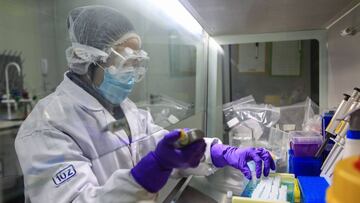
<point x="114" y="90"/>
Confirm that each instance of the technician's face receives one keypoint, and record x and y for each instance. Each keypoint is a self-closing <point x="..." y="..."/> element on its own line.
<point x="132" y="43"/>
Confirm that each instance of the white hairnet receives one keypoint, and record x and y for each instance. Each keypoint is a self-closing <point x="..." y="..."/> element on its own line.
<point x="93" y="30"/>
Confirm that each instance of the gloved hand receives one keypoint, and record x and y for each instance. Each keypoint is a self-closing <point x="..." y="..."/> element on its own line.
<point x="171" y="157"/>
<point x="154" y="169"/>
<point x="223" y="155"/>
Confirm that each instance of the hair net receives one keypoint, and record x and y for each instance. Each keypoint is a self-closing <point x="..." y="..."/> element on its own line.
<point x="93" y="30"/>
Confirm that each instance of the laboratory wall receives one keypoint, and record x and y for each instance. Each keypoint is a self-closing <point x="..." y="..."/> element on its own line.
<point x="344" y="60"/>
<point x="27" y="27"/>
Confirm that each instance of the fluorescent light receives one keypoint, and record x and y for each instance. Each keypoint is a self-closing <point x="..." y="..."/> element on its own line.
<point x="175" y="10"/>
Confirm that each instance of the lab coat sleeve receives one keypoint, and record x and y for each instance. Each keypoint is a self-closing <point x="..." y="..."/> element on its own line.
<point x="55" y="170"/>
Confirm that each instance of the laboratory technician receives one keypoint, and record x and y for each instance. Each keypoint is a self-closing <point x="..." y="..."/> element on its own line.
<point x="66" y="155"/>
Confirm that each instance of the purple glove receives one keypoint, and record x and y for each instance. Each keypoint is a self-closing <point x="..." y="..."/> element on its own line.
<point x="223" y="155"/>
<point x="153" y="170"/>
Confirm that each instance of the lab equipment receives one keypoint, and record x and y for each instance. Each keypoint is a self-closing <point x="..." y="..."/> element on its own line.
<point x="153" y="170"/>
<point x="304" y="166"/>
<point x="347" y="123"/>
<point x="224" y="155"/>
<point x="345" y="146"/>
<point x="297" y="193"/>
<point x="275" y="188"/>
<point x="333" y="128"/>
<point x="352" y="143"/>
<point x="15" y="82"/>
<point x="326" y="118"/>
<point x="349" y="31"/>
<point x="92" y="39"/>
<point x="345" y="186"/>
<point x="313" y="189"/>
<point x="341" y="110"/>
<point x="188" y="136"/>
<point x="305" y="146"/>
<point x="301" y="155"/>
<point x="282" y="193"/>
<point x="8" y="100"/>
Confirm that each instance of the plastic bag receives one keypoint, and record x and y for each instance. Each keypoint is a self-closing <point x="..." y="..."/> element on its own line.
<point x="230" y="115"/>
<point x="312" y="119"/>
<point x="245" y="100"/>
<point x="245" y="108"/>
<point x="245" y="133"/>
<point x="293" y="117"/>
<point x="248" y="122"/>
<point x="278" y="145"/>
<point x="311" y="109"/>
<point x="167" y="111"/>
<point x="265" y="114"/>
<point x="313" y="124"/>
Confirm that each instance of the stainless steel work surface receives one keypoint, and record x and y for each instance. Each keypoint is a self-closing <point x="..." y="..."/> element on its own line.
<point x="213" y="188"/>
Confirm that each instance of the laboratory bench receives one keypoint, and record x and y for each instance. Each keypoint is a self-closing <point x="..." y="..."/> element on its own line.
<point x="6" y="125"/>
<point x="210" y="189"/>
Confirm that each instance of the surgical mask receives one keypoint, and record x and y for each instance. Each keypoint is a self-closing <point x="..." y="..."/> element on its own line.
<point x="128" y="62"/>
<point x="114" y="90"/>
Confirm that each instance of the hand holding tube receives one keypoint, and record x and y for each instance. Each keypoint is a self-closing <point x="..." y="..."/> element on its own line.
<point x="153" y="170"/>
<point x="223" y="155"/>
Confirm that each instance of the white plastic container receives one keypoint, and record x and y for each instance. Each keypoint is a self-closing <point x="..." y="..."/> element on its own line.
<point x="352" y="144"/>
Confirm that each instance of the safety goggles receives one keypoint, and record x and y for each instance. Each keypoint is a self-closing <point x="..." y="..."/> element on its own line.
<point x="129" y="63"/>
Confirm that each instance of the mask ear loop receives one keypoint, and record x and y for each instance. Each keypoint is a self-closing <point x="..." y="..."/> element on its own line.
<point x="96" y="65"/>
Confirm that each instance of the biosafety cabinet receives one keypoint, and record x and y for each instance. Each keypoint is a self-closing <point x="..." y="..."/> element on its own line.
<point x="289" y="57"/>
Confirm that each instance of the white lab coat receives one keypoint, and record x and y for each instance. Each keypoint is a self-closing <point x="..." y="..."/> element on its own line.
<point x="65" y="157"/>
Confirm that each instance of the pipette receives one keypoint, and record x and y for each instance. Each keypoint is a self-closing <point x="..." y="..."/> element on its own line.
<point x="332" y="130"/>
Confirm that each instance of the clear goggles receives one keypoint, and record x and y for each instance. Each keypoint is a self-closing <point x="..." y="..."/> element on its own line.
<point x="128" y="63"/>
